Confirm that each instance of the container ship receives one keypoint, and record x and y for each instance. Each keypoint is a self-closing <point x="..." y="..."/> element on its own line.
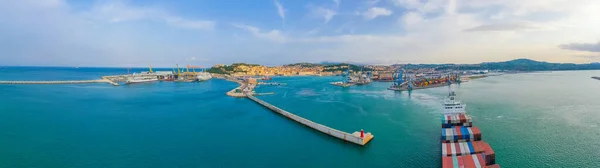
<point x="462" y="145"/>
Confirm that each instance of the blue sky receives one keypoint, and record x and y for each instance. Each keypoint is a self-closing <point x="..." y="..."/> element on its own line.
<point x="163" y="33"/>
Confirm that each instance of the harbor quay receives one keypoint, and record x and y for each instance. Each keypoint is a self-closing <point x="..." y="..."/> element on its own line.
<point x="246" y="89"/>
<point x="143" y="77"/>
<point x="359" y="138"/>
<point x="62" y="82"/>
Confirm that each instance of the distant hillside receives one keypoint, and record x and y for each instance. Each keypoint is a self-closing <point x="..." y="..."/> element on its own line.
<point x="521" y="65"/>
<point x="304" y="64"/>
<point x="228" y="69"/>
<point x="338" y="67"/>
<point x="337" y="63"/>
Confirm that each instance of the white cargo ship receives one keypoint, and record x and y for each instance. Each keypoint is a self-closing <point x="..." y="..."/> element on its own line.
<point x="137" y="79"/>
<point x="203" y="76"/>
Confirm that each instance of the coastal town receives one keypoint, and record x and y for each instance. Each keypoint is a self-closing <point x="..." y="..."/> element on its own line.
<point x="378" y="72"/>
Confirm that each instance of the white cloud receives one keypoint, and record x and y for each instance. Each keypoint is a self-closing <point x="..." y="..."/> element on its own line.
<point x="273" y="35"/>
<point x="375" y="12"/>
<point x="280" y="9"/>
<point x="324" y="13"/>
<point x="409" y="4"/>
<point x="337" y="3"/>
<point x="509" y="26"/>
<point x="190" y="24"/>
<point x="372" y="2"/>
<point x="435" y="32"/>
<point x="29" y="30"/>
<point x="590" y="47"/>
<point x="118" y="12"/>
<point x="422" y="6"/>
<point x="196" y="59"/>
<point x="411" y="18"/>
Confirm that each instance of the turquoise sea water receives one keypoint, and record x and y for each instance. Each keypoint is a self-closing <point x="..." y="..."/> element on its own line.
<point x="531" y="120"/>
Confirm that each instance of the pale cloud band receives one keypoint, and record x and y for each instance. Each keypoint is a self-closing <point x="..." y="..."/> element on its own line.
<point x="375" y="12"/>
<point x="590" y="47"/>
<point x="280" y="10"/>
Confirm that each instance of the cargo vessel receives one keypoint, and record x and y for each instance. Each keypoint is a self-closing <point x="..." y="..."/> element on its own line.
<point x="135" y="80"/>
<point x="462" y="144"/>
<point x="203" y="76"/>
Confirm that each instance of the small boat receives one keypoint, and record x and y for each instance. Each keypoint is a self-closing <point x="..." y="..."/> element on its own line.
<point x="595" y="77"/>
<point x="342" y="84"/>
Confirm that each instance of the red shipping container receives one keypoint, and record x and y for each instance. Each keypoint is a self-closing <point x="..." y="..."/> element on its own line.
<point x="490" y="156"/>
<point x="457" y="148"/>
<point x="477" y="146"/>
<point x="476" y="133"/>
<point x="460" y="162"/>
<point x="447" y="162"/>
<point x="480" y="160"/>
<point x="448" y="149"/>
<point x="493" y="166"/>
<point x="469" y="162"/>
<point x="457" y="130"/>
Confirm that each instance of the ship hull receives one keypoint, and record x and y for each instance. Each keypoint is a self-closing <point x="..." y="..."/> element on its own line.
<point x="141" y="81"/>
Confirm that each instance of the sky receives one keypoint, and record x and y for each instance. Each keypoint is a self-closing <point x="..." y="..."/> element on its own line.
<point x="126" y="33"/>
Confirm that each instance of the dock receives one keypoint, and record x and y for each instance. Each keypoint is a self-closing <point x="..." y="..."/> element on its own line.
<point x="61" y="82"/>
<point x="359" y="138"/>
<point x="237" y="92"/>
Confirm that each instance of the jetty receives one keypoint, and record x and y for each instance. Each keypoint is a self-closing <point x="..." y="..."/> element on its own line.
<point x="61" y="82"/>
<point x="247" y="90"/>
<point x="359" y="138"/>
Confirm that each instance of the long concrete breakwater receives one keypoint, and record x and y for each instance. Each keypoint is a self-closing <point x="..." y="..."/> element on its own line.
<point x="355" y="137"/>
<point x="61" y="82"/>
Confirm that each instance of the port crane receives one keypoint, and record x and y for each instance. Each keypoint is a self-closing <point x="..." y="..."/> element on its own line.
<point x="398" y="77"/>
<point x="399" y="80"/>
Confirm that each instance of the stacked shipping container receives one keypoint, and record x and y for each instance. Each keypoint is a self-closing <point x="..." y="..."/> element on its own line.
<point x="461" y="133"/>
<point x="456" y="120"/>
<point x="462" y="146"/>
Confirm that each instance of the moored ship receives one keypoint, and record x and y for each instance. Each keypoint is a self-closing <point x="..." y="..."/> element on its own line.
<point x="203" y="76"/>
<point x="136" y="79"/>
